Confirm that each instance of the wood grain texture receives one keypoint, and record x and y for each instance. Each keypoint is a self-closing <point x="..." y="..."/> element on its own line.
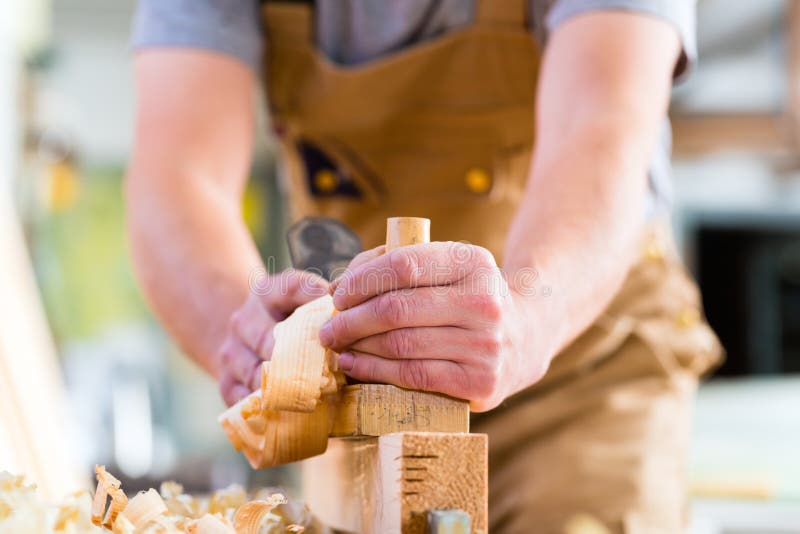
<point x="402" y="231"/>
<point x="377" y="409"/>
<point x="271" y="437"/>
<point x="387" y="485"/>
<point x="335" y="484"/>
<point x="422" y="471"/>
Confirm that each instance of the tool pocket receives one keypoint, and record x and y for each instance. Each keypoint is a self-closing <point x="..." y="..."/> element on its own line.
<point x="676" y="331"/>
<point x="658" y="309"/>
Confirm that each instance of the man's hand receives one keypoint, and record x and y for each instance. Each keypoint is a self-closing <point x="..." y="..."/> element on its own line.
<point x="249" y="338"/>
<point x="436" y="317"/>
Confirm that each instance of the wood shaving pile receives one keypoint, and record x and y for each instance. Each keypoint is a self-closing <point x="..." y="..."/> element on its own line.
<point x="228" y="511"/>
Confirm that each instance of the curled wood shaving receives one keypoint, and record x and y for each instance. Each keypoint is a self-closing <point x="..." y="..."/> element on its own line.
<point x="118" y="502"/>
<point x="122" y="525"/>
<point x="288" y="420"/>
<point x="298" y="359"/>
<point x="279" y="437"/>
<point x="145" y="506"/>
<point x="9" y="483"/>
<point x="249" y="517"/>
<point x="233" y="496"/>
<point x="182" y="506"/>
<point x="170" y="489"/>
<point x="211" y="524"/>
<point x="105" y="482"/>
<point x="149" y="512"/>
<point x="73" y="515"/>
<point x="22" y="512"/>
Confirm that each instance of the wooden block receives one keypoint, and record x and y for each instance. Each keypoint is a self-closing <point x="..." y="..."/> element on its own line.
<point x="423" y="471"/>
<point x="387" y="485"/>
<point x="334" y="483"/>
<point x="378" y="409"/>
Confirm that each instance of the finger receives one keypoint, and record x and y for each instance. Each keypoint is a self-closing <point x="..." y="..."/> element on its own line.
<point x="251" y="323"/>
<point x="440" y="376"/>
<point x="424" y="306"/>
<point x="360" y="259"/>
<point x="240" y="362"/>
<point x="426" y="343"/>
<point x="423" y="265"/>
<point x="231" y="390"/>
<point x="367" y="255"/>
<point x="292" y="288"/>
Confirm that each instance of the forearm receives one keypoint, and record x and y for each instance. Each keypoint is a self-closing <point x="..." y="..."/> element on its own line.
<point x="578" y="226"/>
<point x="602" y="99"/>
<point x="193" y="256"/>
<point x="191" y="250"/>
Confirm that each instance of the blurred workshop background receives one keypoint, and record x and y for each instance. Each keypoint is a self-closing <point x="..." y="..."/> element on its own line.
<point x="87" y="375"/>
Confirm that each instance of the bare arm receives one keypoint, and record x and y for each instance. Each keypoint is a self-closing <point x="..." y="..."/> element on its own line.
<point x="603" y="95"/>
<point x="191" y="249"/>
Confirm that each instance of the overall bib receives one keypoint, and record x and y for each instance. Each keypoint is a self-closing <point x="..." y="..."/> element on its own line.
<point x="444" y="130"/>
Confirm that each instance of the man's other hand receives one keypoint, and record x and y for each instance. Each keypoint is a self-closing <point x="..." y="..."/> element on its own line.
<point x="249" y="339"/>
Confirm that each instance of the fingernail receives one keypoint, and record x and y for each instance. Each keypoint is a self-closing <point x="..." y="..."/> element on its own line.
<point x="346" y="360"/>
<point x="326" y="334"/>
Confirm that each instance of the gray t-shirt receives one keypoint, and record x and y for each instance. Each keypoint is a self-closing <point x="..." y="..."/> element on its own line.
<point x="354" y="31"/>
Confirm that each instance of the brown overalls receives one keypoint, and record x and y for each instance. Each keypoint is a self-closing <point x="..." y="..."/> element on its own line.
<point x="444" y="129"/>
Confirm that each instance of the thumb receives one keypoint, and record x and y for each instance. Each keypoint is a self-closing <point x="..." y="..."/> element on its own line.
<point x="292" y="288"/>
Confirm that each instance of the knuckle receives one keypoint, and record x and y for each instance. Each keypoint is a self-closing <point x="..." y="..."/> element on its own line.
<point x="473" y="255"/>
<point x="483" y="257"/>
<point x="414" y="375"/>
<point x="492" y="306"/>
<point x="392" y="308"/>
<point x="491" y="343"/>
<point x="487" y="305"/>
<point x="340" y="326"/>
<point x="227" y="354"/>
<point x="483" y="376"/>
<point x="405" y="265"/>
<point x="253" y="378"/>
<point x="236" y="320"/>
<point x="485" y="383"/>
<point x="398" y="344"/>
<point x="226" y="383"/>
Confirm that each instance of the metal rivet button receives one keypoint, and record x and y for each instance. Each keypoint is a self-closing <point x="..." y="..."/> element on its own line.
<point x="326" y="180"/>
<point x="478" y="181"/>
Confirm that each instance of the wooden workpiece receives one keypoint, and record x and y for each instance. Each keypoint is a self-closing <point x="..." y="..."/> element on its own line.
<point x="387" y="485"/>
<point x="424" y="471"/>
<point x="403" y="231"/>
<point x="394" y="455"/>
<point x="365" y="410"/>
<point x="399" y="454"/>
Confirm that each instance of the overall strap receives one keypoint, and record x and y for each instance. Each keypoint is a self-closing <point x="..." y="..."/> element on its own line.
<point x="291" y="20"/>
<point x="504" y="12"/>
